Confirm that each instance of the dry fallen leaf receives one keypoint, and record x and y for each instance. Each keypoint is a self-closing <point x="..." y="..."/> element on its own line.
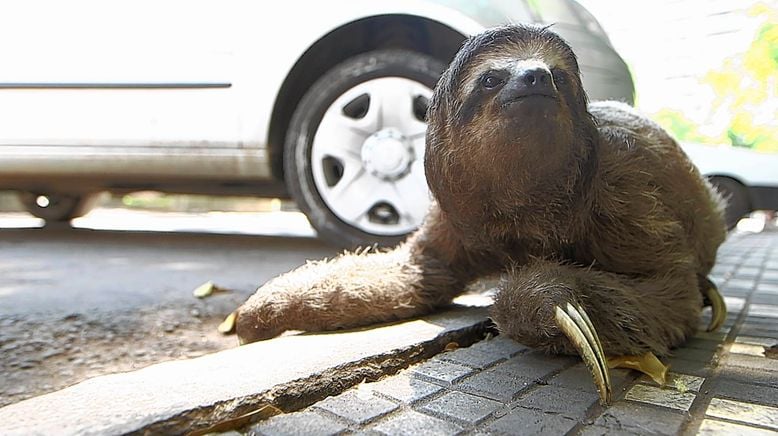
<point x="228" y="325"/>
<point x="206" y="289"/>
<point x="647" y="364"/>
<point x="451" y="346"/>
<point x="264" y="411"/>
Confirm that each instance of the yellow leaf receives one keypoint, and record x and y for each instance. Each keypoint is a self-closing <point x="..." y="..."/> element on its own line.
<point x="451" y="346"/>
<point x="228" y="325"/>
<point x="204" y="290"/>
<point x="647" y="364"/>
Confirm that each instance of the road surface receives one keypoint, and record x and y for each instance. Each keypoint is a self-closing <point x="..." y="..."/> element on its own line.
<point x="115" y="294"/>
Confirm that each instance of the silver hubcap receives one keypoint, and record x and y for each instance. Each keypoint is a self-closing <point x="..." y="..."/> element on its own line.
<point x="368" y="156"/>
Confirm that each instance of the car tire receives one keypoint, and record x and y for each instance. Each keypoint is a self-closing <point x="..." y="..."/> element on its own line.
<point x="366" y="186"/>
<point x="57" y="208"/>
<point x="736" y="196"/>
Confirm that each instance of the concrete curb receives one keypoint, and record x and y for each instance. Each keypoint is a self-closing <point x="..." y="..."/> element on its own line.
<point x="287" y="373"/>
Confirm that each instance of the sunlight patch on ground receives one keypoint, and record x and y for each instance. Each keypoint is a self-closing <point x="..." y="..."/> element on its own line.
<point x="278" y="223"/>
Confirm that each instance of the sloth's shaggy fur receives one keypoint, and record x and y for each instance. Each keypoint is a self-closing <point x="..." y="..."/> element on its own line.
<point x="569" y="202"/>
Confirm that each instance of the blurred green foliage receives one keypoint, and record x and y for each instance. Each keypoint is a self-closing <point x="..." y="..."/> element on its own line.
<point x="746" y="94"/>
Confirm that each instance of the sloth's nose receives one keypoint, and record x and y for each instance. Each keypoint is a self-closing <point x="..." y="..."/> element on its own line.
<point x="535" y="80"/>
<point x="537" y="77"/>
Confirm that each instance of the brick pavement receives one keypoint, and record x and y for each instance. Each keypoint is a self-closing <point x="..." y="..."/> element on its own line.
<point x="721" y="383"/>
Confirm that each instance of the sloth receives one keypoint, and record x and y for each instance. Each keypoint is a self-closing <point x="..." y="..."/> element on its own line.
<point x="600" y="228"/>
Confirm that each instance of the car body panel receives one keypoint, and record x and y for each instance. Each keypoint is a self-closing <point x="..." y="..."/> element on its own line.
<point x="147" y="88"/>
<point x="746" y="166"/>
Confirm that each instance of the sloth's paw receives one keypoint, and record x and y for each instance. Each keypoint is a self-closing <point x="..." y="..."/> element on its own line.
<point x="259" y="319"/>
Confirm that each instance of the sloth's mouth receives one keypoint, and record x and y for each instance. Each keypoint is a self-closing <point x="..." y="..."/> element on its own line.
<point x="523" y="97"/>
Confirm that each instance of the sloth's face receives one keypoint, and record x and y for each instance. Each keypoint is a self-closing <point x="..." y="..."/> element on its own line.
<point x="510" y="101"/>
<point x="530" y="76"/>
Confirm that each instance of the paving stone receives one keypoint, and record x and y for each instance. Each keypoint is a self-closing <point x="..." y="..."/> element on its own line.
<point x="596" y="430"/>
<point x="402" y="387"/>
<point x="765" y="298"/>
<point x="712" y="336"/>
<point x="753" y="362"/>
<point x="471" y="357"/>
<point x="749" y="375"/>
<point x="410" y="422"/>
<point x="745" y="392"/>
<point x="679" y="382"/>
<point x="462" y="407"/>
<point x="762" y="330"/>
<point x="736" y="292"/>
<point x="298" y="424"/>
<point x="641" y="419"/>
<point x="762" y="321"/>
<point x="766" y="342"/>
<point x="749" y="349"/>
<point x="534" y="365"/>
<point x="702" y="344"/>
<point x="712" y="427"/>
<point x="496" y="385"/>
<point x="357" y="406"/>
<point x="669" y="398"/>
<point x="694" y="354"/>
<point x="501" y="345"/>
<point x="734" y="305"/>
<point x="747" y="272"/>
<point x="763" y="310"/>
<point x="742" y="412"/>
<point x="521" y="421"/>
<point x="562" y="401"/>
<point x="578" y="377"/>
<point x="440" y="371"/>
<point x="683" y="366"/>
<point x="769" y="277"/>
<point x="767" y="288"/>
<point x="738" y="284"/>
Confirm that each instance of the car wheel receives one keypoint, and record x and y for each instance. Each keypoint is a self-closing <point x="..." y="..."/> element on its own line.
<point x="57" y="207"/>
<point x="736" y="195"/>
<point x="354" y="152"/>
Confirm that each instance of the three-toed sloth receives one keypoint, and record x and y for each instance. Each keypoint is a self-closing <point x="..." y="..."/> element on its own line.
<point x="602" y="229"/>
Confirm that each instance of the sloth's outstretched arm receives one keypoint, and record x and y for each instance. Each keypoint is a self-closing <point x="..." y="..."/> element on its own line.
<point x="575" y="310"/>
<point x="355" y="289"/>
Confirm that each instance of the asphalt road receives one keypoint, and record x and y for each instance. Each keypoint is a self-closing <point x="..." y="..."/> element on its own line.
<point x="81" y="302"/>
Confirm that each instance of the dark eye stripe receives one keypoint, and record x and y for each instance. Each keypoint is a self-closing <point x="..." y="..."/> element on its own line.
<point x="492" y="79"/>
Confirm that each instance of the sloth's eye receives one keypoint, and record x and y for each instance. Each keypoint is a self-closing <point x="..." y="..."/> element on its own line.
<point x="490" y="81"/>
<point x="558" y="75"/>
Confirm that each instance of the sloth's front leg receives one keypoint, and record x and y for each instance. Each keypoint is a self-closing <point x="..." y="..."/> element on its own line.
<point x="350" y="290"/>
<point x="599" y="315"/>
<point x="356" y="289"/>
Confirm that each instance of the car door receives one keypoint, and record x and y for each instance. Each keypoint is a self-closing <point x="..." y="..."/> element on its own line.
<point x="141" y="74"/>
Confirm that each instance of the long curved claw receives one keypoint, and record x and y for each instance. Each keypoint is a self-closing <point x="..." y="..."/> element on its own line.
<point x="718" y="306"/>
<point x="575" y="324"/>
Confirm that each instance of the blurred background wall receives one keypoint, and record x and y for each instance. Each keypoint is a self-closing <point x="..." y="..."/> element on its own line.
<point x="705" y="69"/>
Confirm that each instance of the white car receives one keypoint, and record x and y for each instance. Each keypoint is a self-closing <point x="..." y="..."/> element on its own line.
<point x="747" y="179"/>
<point x="321" y="100"/>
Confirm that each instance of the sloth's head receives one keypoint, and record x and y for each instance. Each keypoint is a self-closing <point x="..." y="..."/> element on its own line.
<point x="511" y="101"/>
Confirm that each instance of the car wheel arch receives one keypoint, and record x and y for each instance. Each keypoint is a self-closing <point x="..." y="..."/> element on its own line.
<point x="400" y="31"/>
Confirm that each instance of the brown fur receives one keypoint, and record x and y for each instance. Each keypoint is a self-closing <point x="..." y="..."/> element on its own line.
<point x="570" y="202"/>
